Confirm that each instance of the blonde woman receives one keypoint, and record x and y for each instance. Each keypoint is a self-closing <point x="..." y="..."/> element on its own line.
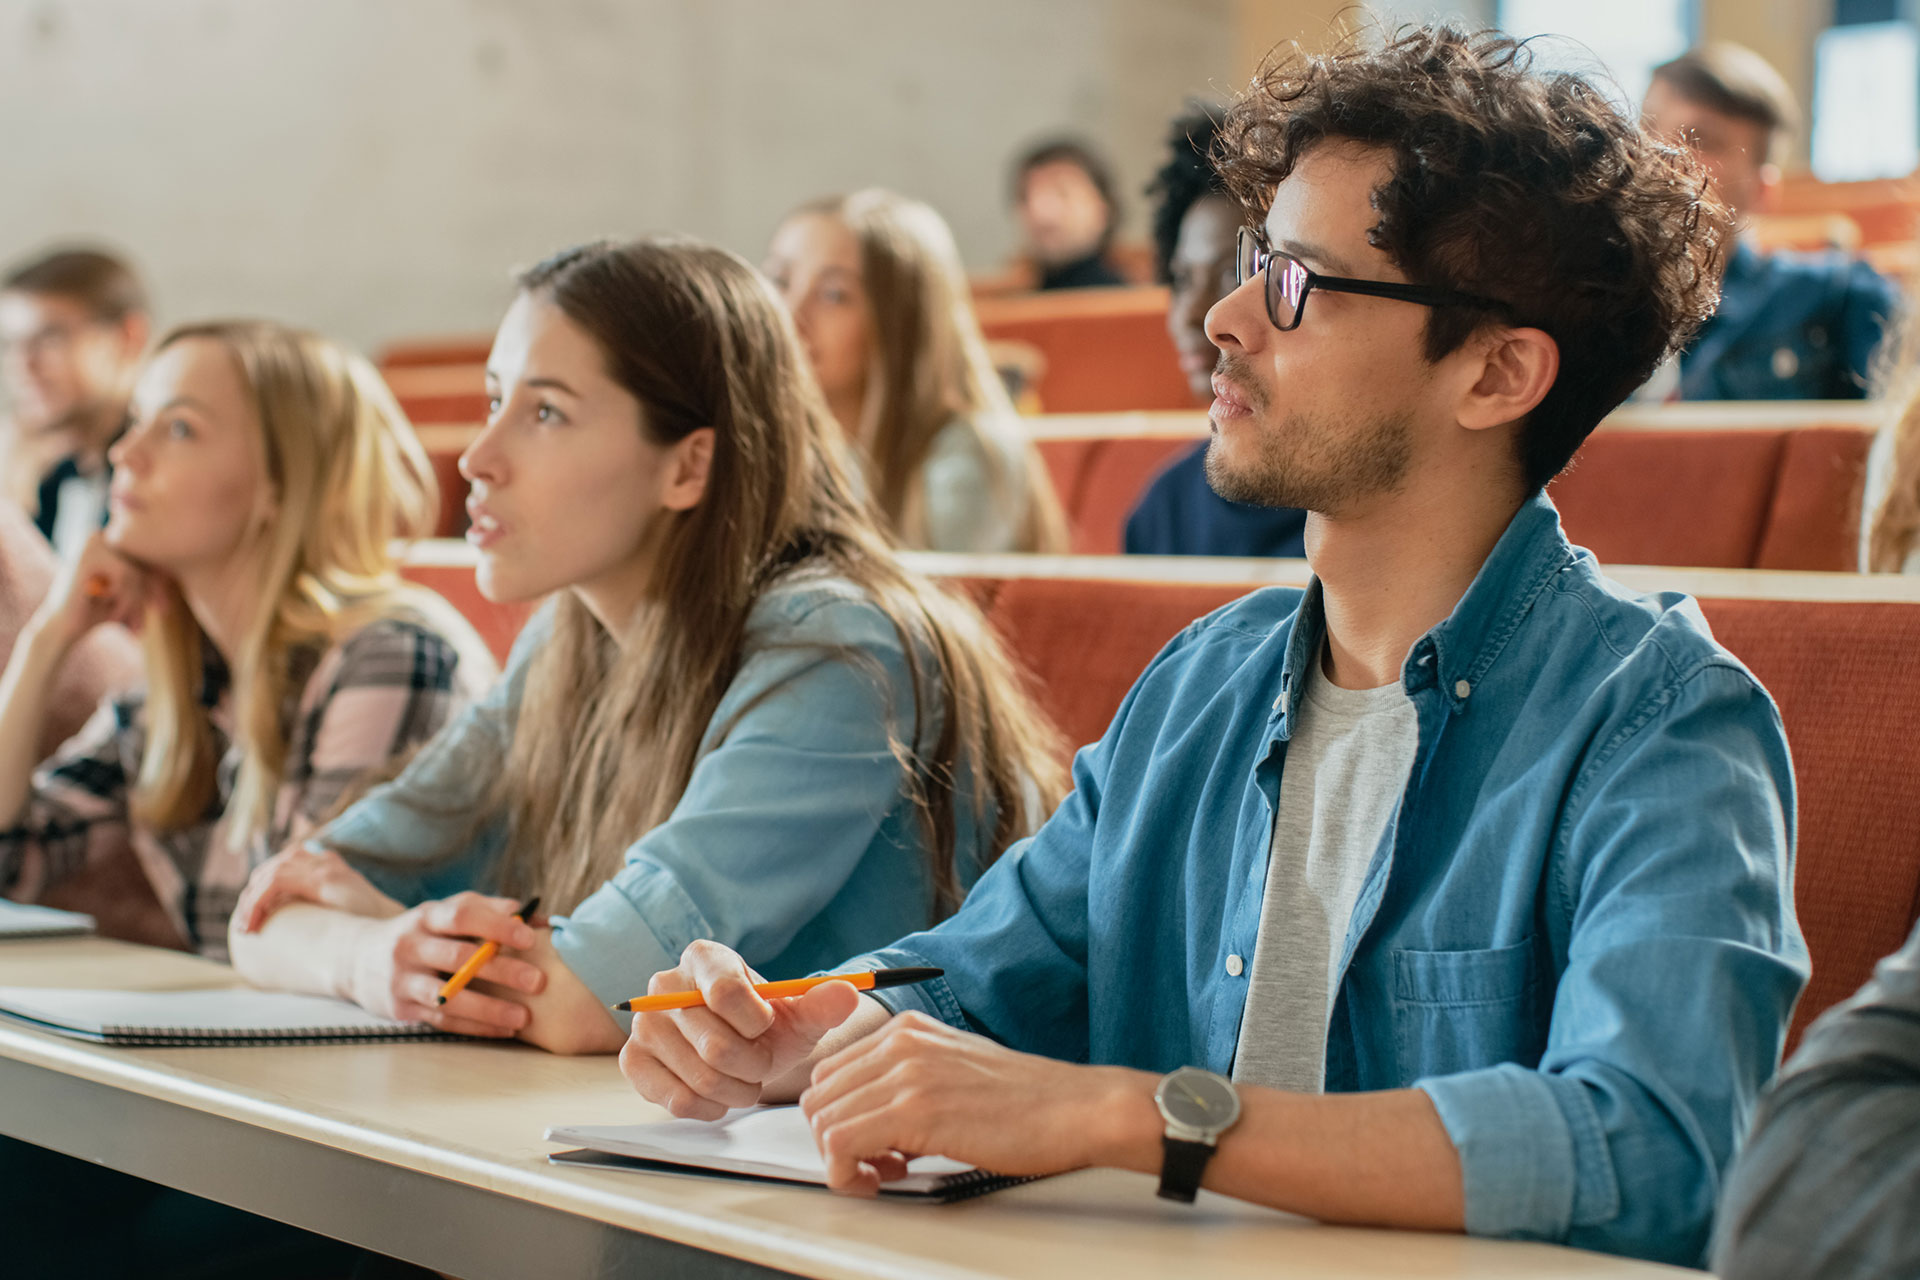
<point x="739" y="718"/>
<point x="877" y="292"/>
<point x="257" y="492"/>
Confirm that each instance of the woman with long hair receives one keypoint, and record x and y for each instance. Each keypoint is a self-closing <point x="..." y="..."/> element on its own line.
<point x="258" y="490"/>
<point x="739" y="717"/>
<point x="878" y="294"/>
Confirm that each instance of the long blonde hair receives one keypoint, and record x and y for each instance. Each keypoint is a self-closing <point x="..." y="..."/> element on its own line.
<point x="608" y="733"/>
<point x="349" y="477"/>
<point x="931" y="369"/>
<point x="1895" y="378"/>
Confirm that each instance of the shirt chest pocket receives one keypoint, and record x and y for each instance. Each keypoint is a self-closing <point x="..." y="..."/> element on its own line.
<point x="1462" y="1010"/>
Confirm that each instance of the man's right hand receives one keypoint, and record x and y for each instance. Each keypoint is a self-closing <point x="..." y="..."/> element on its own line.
<point x="699" y="1063"/>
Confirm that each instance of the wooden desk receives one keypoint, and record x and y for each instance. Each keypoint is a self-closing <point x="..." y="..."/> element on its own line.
<point x="432" y="1152"/>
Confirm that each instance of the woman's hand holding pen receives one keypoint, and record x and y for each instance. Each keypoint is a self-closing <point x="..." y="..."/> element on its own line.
<point x="700" y="1062"/>
<point x="398" y="965"/>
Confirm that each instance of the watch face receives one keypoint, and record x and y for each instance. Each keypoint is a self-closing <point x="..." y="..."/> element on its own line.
<point x="1198" y="1099"/>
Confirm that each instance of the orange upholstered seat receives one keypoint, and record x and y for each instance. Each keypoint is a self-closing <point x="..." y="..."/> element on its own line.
<point x="1105" y="350"/>
<point x="1731" y="498"/>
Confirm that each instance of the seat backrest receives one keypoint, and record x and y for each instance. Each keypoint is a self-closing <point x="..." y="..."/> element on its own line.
<point x="1678" y="497"/>
<point x="1105" y="351"/>
<point x="1842" y="674"/>
<point x="1100" y="480"/>
<point x="1814" y="522"/>
<point x="1085" y="642"/>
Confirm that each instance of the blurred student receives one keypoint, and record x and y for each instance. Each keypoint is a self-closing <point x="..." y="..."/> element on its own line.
<point x="257" y="492"/>
<point x="1829" y="1179"/>
<point x="1064" y="197"/>
<point x="739" y="718"/>
<point x="876" y="290"/>
<point x="1194" y="227"/>
<point x="73" y="325"/>
<point x="1790" y="326"/>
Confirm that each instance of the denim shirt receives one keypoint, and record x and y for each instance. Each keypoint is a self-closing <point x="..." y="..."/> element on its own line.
<point x="1576" y="934"/>
<point x="795" y="842"/>
<point x="1790" y="326"/>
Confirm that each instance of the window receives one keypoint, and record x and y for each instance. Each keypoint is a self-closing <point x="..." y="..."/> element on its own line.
<point x="1617" y="43"/>
<point x="1866" y="102"/>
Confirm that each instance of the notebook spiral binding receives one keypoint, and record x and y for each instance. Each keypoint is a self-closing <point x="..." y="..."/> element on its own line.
<point x="188" y="1038"/>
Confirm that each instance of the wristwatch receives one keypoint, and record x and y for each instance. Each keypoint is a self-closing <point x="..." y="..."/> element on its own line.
<point x="1198" y="1107"/>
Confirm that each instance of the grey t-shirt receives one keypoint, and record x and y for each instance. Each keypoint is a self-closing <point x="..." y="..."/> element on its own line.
<point x="1346" y="768"/>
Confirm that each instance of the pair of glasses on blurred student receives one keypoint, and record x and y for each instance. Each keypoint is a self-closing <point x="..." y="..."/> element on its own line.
<point x="1290" y="280"/>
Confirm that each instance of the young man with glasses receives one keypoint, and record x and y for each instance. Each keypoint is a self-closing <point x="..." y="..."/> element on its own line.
<point x="73" y="327"/>
<point x="1453" y="892"/>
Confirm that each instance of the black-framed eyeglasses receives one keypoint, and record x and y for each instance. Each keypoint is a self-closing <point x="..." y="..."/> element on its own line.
<point x="1290" y="280"/>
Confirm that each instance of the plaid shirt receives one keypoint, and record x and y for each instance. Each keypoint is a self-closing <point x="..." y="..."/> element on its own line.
<point x="362" y="703"/>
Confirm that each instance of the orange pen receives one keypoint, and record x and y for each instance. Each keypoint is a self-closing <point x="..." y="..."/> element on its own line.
<point x="865" y="980"/>
<point x="478" y="960"/>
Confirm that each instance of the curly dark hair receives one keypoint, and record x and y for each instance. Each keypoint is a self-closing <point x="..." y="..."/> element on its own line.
<point x="1527" y="188"/>
<point x="1184" y="180"/>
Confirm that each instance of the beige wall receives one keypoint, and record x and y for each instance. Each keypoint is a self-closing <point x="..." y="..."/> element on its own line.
<point x="375" y="167"/>
<point x="1782" y="31"/>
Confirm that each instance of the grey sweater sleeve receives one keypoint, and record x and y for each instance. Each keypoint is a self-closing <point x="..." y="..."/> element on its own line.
<point x="1830" y="1179"/>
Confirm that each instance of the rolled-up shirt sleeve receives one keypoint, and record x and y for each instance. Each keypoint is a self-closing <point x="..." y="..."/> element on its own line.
<point x="1830" y="1180"/>
<point x="1681" y="969"/>
<point x="1015" y="955"/>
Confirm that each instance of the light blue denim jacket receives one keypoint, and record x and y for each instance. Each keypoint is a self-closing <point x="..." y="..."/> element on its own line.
<point x="794" y="842"/>
<point x="1576" y="935"/>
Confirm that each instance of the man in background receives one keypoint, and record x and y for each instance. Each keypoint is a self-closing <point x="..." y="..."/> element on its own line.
<point x="1193" y="240"/>
<point x="1063" y="194"/>
<point x="1791" y="326"/>
<point x="73" y="326"/>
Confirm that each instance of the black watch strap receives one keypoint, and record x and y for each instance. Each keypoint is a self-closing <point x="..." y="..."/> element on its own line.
<point x="1181" y="1167"/>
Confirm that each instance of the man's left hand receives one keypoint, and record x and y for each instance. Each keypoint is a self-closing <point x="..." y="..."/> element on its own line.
<point x="919" y="1087"/>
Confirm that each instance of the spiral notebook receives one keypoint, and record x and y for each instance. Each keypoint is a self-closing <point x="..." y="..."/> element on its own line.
<point x="227" y="1016"/>
<point x="29" y="920"/>
<point x="772" y="1144"/>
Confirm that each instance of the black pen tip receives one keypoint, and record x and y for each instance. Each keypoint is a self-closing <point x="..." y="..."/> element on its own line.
<point x="905" y="977"/>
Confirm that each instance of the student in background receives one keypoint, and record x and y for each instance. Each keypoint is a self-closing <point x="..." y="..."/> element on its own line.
<point x="1064" y="197"/>
<point x="1790" y="326"/>
<point x="73" y="325"/>
<point x="1193" y="238"/>
<point x="257" y="492"/>
<point x="876" y="290"/>
<point x="1414" y="854"/>
<point x="1829" y="1178"/>
<point x="739" y="718"/>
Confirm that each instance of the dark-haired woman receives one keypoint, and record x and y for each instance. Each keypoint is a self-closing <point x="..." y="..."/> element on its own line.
<point x="739" y="719"/>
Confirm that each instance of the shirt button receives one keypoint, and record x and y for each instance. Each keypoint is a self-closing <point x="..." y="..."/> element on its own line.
<point x="1234" y="966"/>
<point x="1461" y="688"/>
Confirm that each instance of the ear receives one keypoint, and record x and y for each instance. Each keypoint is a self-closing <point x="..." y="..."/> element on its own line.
<point x="135" y="329"/>
<point x="1516" y="371"/>
<point x="688" y="466"/>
